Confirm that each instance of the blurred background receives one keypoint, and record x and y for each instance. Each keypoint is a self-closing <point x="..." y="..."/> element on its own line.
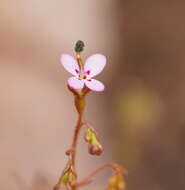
<point x="141" y="115"/>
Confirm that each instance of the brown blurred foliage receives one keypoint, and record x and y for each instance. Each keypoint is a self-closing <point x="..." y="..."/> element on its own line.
<point x="150" y="95"/>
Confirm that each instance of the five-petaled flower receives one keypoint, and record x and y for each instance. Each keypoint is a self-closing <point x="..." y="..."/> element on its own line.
<point x="83" y="75"/>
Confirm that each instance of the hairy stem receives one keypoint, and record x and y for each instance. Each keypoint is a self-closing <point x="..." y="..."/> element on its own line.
<point x="75" y="139"/>
<point x="80" y="104"/>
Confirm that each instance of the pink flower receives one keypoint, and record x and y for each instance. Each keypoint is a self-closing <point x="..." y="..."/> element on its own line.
<point x="83" y="76"/>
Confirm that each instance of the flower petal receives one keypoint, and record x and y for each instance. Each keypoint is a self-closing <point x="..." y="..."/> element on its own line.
<point x="94" y="85"/>
<point x="75" y="83"/>
<point x="94" y="65"/>
<point x="70" y="64"/>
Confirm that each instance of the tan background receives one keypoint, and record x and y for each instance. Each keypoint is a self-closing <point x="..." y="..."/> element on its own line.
<point x="140" y="116"/>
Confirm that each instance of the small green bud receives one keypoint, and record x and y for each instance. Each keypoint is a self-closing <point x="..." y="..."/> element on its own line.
<point x="116" y="182"/>
<point x="68" y="177"/>
<point x="79" y="46"/>
<point x="95" y="148"/>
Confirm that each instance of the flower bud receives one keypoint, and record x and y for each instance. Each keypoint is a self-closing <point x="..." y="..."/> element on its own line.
<point x="67" y="178"/>
<point x="116" y="182"/>
<point x="95" y="148"/>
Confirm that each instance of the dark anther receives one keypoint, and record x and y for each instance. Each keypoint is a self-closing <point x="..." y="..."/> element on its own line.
<point x="79" y="46"/>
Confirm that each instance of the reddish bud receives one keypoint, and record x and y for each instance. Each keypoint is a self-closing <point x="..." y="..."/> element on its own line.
<point x="95" y="149"/>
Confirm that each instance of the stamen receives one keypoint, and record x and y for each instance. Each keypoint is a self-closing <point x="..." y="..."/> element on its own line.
<point x="88" y="72"/>
<point x="77" y="71"/>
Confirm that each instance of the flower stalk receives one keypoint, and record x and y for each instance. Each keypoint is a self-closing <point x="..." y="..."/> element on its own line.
<point x="80" y="85"/>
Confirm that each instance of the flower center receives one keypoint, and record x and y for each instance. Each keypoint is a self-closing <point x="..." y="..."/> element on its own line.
<point x="82" y="77"/>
